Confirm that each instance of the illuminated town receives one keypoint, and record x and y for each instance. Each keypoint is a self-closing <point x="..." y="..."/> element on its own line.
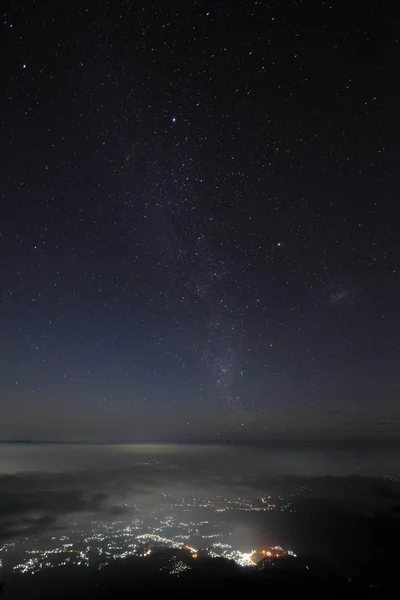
<point x="97" y="543"/>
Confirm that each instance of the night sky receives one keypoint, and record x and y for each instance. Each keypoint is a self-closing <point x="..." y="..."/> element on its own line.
<point x="199" y="221"/>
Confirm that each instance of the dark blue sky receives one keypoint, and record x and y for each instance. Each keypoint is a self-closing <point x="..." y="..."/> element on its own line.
<point x="199" y="221"/>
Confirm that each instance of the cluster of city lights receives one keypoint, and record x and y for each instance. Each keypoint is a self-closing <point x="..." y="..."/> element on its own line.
<point x="98" y="543"/>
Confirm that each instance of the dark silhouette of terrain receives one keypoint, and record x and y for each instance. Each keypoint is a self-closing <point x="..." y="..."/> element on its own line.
<point x="181" y="572"/>
<point x="203" y="575"/>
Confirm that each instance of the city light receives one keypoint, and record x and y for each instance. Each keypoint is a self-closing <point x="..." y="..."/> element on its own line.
<point x="98" y="543"/>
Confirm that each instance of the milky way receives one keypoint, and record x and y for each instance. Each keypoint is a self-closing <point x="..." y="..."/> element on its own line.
<point x="198" y="221"/>
<point x="201" y="276"/>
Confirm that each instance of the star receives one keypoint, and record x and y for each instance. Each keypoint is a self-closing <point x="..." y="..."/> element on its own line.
<point x="148" y="259"/>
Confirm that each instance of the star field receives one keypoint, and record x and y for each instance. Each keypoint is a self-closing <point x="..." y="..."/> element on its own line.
<point x="198" y="231"/>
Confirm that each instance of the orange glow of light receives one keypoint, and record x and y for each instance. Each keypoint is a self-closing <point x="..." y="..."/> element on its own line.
<point x="194" y="555"/>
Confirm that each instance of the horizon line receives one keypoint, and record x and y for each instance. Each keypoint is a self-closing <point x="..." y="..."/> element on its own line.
<point x="210" y="441"/>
